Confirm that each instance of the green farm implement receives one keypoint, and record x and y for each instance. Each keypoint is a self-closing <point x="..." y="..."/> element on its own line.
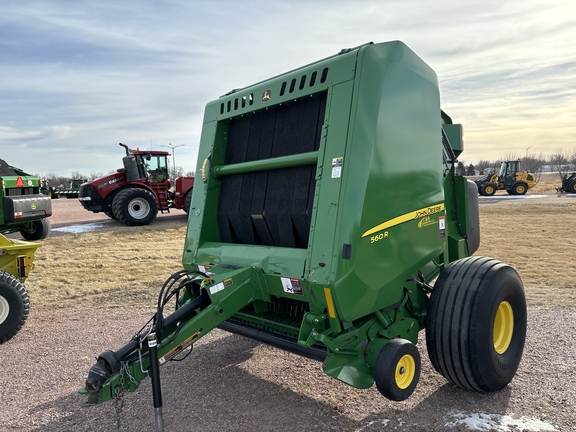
<point x="327" y="220"/>
<point x="16" y="262"/>
<point x="23" y="207"/>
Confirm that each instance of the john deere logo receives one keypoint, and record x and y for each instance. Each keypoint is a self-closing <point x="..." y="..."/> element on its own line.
<point x="266" y="95"/>
<point x="33" y="206"/>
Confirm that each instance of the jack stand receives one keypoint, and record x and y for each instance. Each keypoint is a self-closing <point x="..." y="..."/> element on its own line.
<point x="155" y="377"/>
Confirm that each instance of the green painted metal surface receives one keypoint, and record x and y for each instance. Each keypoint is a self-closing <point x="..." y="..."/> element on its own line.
<point x="380" y="209"/>
<point x="21" y="201"/>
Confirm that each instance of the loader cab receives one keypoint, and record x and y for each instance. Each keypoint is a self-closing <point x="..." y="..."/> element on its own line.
<point x="508" y="172"/>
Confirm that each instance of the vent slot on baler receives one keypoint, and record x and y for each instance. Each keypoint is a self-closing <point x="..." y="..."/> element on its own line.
<point x="272" y="207"/>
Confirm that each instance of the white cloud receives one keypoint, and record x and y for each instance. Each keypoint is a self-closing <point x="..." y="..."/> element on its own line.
<point x="86" y="76"/>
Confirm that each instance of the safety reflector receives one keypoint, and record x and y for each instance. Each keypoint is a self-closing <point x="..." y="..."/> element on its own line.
<point x="19" y="182"/>
<point x="329" y="303"/>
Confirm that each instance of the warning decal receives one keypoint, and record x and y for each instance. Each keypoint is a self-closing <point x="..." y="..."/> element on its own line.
<point x="175" y="351"/>
<point x="291" y="286"/>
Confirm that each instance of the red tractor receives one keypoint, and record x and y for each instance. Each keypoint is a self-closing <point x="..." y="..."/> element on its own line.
<point x="134" y="194"/>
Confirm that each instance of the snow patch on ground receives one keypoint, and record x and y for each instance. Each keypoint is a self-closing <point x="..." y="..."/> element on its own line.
<point x="502" y="423"/>
<point x="77" y="229"/>
<point x="512" y="196"/>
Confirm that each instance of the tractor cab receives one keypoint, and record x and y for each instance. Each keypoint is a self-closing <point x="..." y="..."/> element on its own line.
<point x="155" y="166"/>
<point x="142" y="165"/>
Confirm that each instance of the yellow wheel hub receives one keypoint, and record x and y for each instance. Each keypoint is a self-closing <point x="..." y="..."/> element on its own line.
<point x="503" y="327"/>
<point x="489" y="190"/>
<point x="405" y="371"/>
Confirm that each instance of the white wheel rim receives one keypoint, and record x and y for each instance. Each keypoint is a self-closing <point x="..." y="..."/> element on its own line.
<point x="4" y="309"/>
<point x="139" y="208"/>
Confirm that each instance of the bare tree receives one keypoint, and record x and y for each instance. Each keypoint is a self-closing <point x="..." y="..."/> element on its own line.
<point x="77" y="176"/>
<point x="486" y="166"/>
<point x="559" y="162"/>
<point x="534" y="164"/>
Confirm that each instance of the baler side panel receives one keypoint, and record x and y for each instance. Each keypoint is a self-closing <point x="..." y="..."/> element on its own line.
<point x="394" y="142"/>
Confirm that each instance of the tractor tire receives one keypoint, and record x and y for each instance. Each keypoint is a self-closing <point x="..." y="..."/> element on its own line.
<point x="488" y="189"/>
<point x="135" y="207"/>
<point x="187" y="201"/>
<point x="476" y="324"/>
<point x="519" y="189"/>
<point x="571" y="187"/>
<point x="397" y="369"/>
<point x="40" y="230"/>
<point x="110" y="214"/>
<point x="14" y="306"/>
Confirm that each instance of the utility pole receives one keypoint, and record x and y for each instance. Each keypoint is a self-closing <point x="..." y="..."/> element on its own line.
<point x="173" y="147"/>
<point x="527" y="148"/>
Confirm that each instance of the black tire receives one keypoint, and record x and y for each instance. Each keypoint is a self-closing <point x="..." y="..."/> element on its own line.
<point x="488" y="189"/>
<point x="520" y="189"/>
<point x="397" y="369"/>
<point x="135" y="207"/>
<point x="187" y="201"/>
<point x="110" y="214"/>
<point x="476" y="324"/>
<point x="14" y="306"/>
<point x="571" y="187"/>
<point x="40" y="229"/>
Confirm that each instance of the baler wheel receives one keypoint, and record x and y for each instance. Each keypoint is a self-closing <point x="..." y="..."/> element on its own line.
<point x="397" y="369"/>
<point x="14" y="306"/>
<point x="135" y="206"/>
<point x="476" y="324"/>
<point x="36" y="230"/>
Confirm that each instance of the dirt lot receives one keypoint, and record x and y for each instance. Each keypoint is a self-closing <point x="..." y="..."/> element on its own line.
<point x="92" y="289"/>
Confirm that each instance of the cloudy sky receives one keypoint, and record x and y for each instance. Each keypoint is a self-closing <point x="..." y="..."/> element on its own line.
<point x="77" y="78"/>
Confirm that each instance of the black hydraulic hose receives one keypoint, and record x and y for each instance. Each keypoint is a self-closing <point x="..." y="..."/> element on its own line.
<point x="200" y="302"/>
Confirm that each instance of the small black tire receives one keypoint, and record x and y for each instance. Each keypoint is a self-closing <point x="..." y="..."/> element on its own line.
<point x="187" y="201"/>
<point x="135" y="206"/>
<point x="37" y="230"/>
<point x="488" y="189"/>
<point x="476" y="324"/>
<point x="519" y="188"/>
<point x="14" y="306"/>
<point x="397" y="369"/>
<point x="571" y="187"/>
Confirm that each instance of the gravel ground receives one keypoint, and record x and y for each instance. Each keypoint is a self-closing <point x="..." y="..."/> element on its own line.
<point x="230" y="383"/>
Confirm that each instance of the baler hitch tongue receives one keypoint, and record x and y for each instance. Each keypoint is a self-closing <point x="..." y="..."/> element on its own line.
<point x="97" y="376"/>
<point x="198" y="314"/>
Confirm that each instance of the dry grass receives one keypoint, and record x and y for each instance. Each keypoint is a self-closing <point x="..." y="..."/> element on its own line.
<point x="538" y="241"/>
<point x="126" y="267"/>
<point x="120" y="268"/>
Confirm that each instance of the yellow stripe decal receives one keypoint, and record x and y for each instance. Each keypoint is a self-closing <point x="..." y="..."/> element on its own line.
<point x="416" y="214"/>
<point x="329" y="303"/>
